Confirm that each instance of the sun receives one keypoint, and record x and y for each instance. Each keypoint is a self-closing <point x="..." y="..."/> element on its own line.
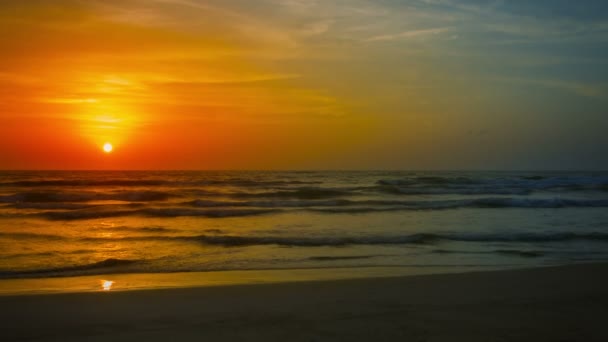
<point x="107" y="147"/>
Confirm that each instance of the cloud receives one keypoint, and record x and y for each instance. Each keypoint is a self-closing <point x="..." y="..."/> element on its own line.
<point x="409" y="34"/>
<point x="579" y="88"/>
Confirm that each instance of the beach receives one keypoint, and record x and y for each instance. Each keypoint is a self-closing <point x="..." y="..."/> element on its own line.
<point x="562" y="303"/>
<point x="303" y="170"/>
<point x="303" y="256"/>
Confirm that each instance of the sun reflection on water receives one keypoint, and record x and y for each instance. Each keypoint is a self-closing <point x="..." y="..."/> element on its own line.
<point x="107" y="285"/>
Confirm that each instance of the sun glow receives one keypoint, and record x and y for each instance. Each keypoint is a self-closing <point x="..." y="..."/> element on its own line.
<point x="107" y="147"/>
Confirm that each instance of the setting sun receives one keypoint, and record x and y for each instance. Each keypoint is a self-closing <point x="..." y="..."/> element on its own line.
<point x="107" y="148"/>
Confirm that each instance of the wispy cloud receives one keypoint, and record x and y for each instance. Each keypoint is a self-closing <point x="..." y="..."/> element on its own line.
<point x="579" y="88"/>
<point x="409" y="34"/>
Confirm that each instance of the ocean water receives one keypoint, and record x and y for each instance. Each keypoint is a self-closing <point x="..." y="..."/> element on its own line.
<point x="60" y="224"/>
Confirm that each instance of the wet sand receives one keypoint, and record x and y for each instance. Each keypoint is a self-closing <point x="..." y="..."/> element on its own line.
<point x="566" y="303"/>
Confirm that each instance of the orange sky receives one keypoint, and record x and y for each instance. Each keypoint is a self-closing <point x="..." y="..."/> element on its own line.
<point x="208" y="84"/>
<point x="166" y="95"/>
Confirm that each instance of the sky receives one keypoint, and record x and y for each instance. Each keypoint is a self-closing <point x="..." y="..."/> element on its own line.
<point x="304" y="84"/>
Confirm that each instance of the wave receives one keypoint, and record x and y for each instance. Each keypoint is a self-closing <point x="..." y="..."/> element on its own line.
<point x="178" y="212"/>
<point x="85" y="215"/>
<point x="137" y="229"/>
<point x="512" y="252"/>
<point x="156" y="196"/>
<point x="144" y="266"/>
<point x="216" y="237"/>
<point x="496" y="185"/>
<point x="243" y="241"/>
<point x="214" y="231"/>
<point x="29" y="236"/>
<point x="252" y="182"/>
<point x="90" y="182"/>
<point x="54" y="206"/>
<point x="310" y="185"/>
<point x="536" y="203"/>
<point x="47" y="253"/>
<point x="500" y="202"/>
<point x="152" y="212"/>
<point x="83" y="183"/>
<point x="336" y="258"/>
<point x="272" y="204"/>
<point x="222" y="209"/>
<point x="299" y="193"/>
<point x="427" y="180"/>
<point x="381" y="205"/>
<point x="59" y="197"/>
<point x="74" y="203"/>
<point x="418" y="238"/>
<point x="28" y="255"/>
<point x="536" y="177"/>
<point x="107" y="265"/>
<point x="396" y="190"/>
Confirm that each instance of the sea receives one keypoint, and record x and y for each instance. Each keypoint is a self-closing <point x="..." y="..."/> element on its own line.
<point x="58" y="224"/>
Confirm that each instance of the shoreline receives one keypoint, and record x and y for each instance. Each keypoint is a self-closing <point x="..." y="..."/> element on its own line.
<point x="200" y="279"/>
<point x="558" y="303"/>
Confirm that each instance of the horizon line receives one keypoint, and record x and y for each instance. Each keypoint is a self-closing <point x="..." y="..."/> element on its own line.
<point x="304" y="170"/>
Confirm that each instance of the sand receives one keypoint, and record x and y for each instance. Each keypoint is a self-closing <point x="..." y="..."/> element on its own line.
<point x="566" y="303"/>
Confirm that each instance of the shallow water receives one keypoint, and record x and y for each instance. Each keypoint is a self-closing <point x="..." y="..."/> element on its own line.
<point x="87" y="223"/>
